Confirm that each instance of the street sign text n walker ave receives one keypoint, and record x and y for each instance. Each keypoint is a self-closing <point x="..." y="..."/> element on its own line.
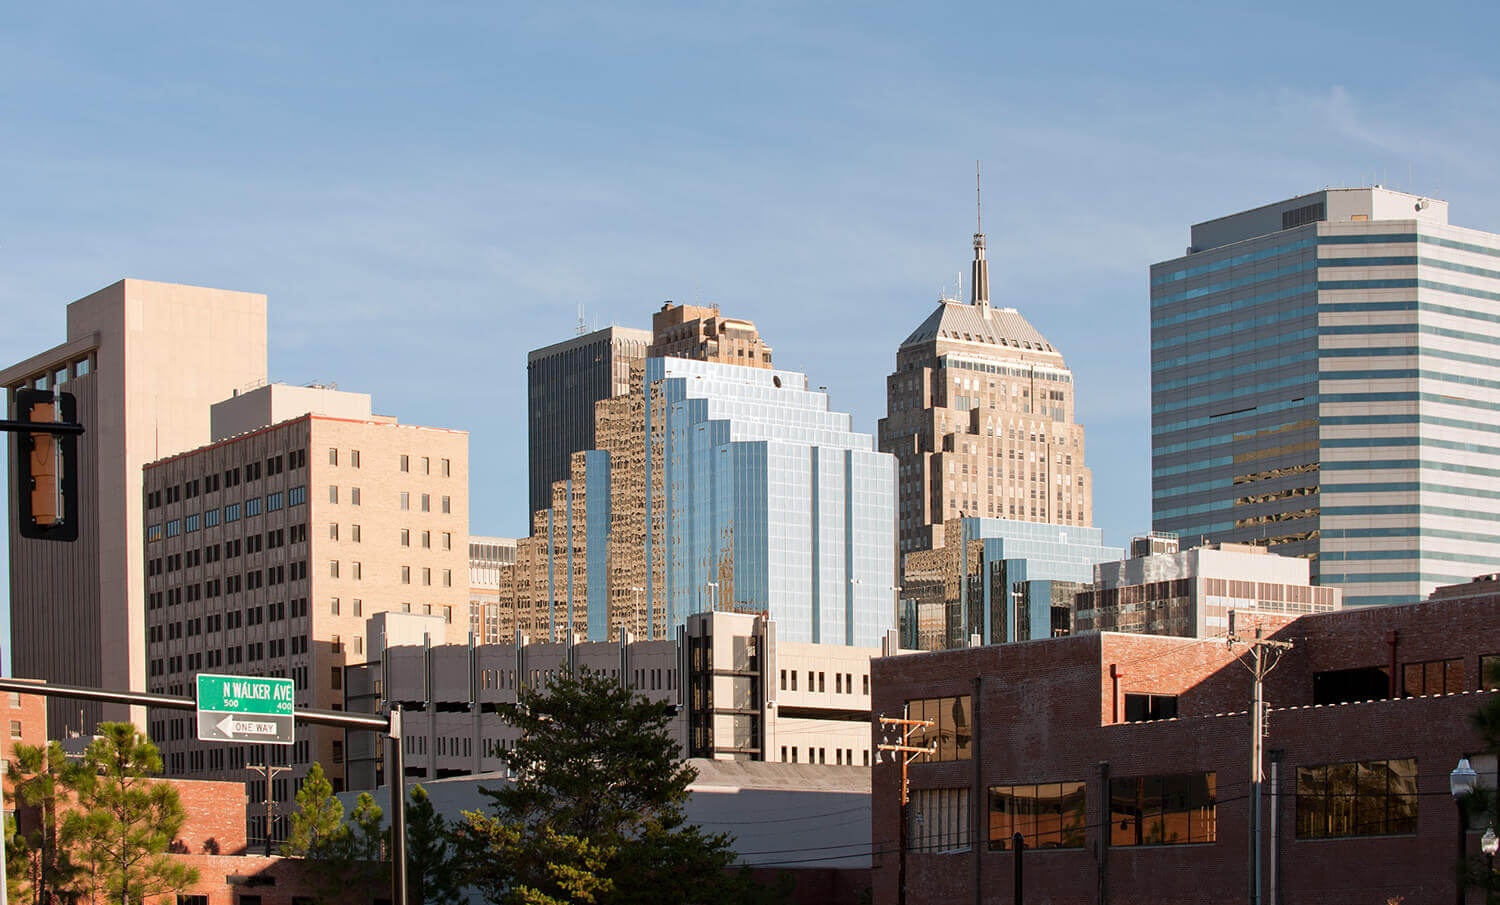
<point x="245" y="709"/>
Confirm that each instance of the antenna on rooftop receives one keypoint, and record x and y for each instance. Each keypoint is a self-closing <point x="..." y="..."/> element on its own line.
<point x="583" y="326"/>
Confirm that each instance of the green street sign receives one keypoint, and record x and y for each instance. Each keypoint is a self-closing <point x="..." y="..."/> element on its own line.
<point x="245" y="709"/>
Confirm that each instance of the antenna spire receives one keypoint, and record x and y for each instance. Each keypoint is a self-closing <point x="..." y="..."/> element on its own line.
<point x="979" y="281"/>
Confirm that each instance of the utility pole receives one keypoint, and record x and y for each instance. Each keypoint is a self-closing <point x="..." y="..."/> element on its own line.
<point x="907" y="753"/>
<point x="1264" y="655"/>
<point x="270" y="773"/>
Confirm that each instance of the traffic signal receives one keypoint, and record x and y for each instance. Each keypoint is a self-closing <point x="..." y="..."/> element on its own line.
<point x="47" y="484"/>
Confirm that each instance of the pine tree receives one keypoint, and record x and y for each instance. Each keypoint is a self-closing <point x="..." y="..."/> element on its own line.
<point x="595" y="812"/>
<point x="431" y="863"/>
<point x="318" y="829"/>
<point x="124" y="821"/>
<point x="38" y="775"/>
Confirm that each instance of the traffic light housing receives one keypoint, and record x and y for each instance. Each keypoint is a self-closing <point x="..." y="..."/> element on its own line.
<point x="47" y="479"/>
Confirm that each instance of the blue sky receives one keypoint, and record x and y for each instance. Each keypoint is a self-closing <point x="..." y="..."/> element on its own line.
<point x="427" y="191"/>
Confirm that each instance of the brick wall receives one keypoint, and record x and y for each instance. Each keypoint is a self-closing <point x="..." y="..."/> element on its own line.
<point x="1037" y="719"/>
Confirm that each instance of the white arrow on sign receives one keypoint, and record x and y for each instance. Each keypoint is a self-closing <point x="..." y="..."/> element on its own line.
<point x="232" y="725"/>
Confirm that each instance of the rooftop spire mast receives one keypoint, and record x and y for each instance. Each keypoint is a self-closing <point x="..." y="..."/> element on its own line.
<point x="979" y="281"/>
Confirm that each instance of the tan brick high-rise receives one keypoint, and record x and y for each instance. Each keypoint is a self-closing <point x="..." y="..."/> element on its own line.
<point x="980" y="418"/>
<point x="267" y="550"/>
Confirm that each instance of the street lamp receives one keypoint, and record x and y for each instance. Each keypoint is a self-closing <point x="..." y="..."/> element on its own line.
<point x="1489" y="843"/>
<point x="1461" y="783"/>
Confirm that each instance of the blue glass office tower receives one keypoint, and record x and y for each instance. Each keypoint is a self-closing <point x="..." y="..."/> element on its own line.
<point x="1324" y="382"/>
<point x="1001" y="580"/>
<point x="770" y="503"/>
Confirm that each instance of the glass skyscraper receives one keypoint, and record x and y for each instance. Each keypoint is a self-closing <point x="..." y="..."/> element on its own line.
<point x="771" y="503"/>
<point x="1325" y="383"/>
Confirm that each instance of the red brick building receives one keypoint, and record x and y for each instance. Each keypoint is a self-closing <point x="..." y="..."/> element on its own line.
<point x="1124" y="761"/>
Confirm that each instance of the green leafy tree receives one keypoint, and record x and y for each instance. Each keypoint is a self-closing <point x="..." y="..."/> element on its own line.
<point x="595" y="812"/>
<point x="39" y="776"/>
<point x="1486" y="721"/>
<point x="432" y="874"/>
<point x="124" y="821"/>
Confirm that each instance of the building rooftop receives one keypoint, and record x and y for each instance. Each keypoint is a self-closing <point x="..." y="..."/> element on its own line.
<point x="982" y="325"/>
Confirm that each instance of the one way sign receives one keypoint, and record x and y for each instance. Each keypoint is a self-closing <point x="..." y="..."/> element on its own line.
<point x="245" y="709"/>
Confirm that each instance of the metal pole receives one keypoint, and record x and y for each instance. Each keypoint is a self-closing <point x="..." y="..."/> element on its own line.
<point x="1274" y="857"/>
<point x="4" y="880"/>
<point x="1461" y="881"/>
<point x="396" y="776"/>
<point x="1255" y="776"/>
<point x="1018" y="842"/>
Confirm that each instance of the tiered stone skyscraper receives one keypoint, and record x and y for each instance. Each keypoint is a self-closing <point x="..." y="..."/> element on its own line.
<point x="980" y="418"/>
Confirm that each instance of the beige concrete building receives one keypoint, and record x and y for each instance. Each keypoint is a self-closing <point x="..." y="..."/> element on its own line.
<point x="740" y="693"/>
<point x="145" y="361"/>
<point x="702" y="333"/>
<point x="267" y="551"/>
<point x="980" y="417"/>
<point x="489" y="557"/>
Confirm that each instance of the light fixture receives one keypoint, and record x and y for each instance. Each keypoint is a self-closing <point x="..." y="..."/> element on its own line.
<point x="1489" y="843"/>
<point x="1462" y="780"/>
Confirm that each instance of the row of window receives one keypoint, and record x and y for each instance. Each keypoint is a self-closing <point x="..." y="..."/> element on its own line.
<point x="231" y="584"/>
<point x="817" y="682"/>
<point x="230" y="513"/>
<point x="1358" y="798"/>
<point x="1173" y="809"/>
<point x="445" y="466"/>
<point x="187" y="490"/>
<point x="841" y="756"/>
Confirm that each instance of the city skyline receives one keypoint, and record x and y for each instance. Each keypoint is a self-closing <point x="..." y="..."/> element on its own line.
<point x="789" y="167"/>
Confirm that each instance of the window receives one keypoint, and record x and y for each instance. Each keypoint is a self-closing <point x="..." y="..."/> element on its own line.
<point x="426" y="576"/>
<point x="1362" y="798"/>
<point x="232" y="512"/>
<point x="426" y="540"/>
<point x="353" y="496"/>
<point x="15" y="728"/>
<point x="354" y="533"/>
<point x="406" y="574"/>
<point x="333" y="568"/>
<point x="1489" y="672"/>
<point x="426" y="465"/>
<point x="937" y="820"/>
<point x="333" y="606"/>
<point x="358" y="571"/>
<point x="1179" y="809"/>
<point x="273" y="501"/>
<point x="296" y="496"/>
<point x="951" y="732"/>
<point x="333" y="493"/>
<point x="447" y="540"/>
<point x="210" y="518"/>
<point x="354" y="458"/>
<point x="1141" y="708"/>
<point x="447" y="578"/>
<point x="405" y="501"/>
<point x="426" y="502"/>
<point x="252" y="506"/>
<point x="447" y="468"/>
<point x="1432" y="677"/>
<point x="359" y="607"/>
<point x="405" y="537"/>
<point x="1047" y="815"/>
<point x="405" y="463"/>
<point x="333" y="457"/>
<point x="447" y="505"/>
<point x="333" y="530"/>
